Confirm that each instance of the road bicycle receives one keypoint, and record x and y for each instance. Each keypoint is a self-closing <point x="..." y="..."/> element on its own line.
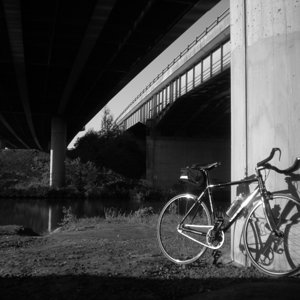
<point x="188" y="226"/>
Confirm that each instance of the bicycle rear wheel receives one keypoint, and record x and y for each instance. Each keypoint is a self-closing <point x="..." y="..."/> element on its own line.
<point x="175" y="246"/>
<point x="271" y="254"/>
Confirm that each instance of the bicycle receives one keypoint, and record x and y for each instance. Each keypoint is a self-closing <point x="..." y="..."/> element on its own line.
<point x="271" y="231"/>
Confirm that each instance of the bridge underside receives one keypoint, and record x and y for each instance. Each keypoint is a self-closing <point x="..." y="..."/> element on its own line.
<point x="203" y="112"/>
<point x="196" y="128"/>
<point x="69" y="58"/>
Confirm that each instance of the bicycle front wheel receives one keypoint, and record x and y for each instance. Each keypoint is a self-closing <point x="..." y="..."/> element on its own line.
<point x="272" y="254"/>
<point x="174" y="245"/>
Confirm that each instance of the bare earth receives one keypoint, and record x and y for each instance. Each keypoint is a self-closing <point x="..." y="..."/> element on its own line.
<point x="119" y="260"/>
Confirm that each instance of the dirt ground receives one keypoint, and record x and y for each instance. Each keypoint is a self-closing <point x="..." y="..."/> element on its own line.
<point x="120" y="261"/>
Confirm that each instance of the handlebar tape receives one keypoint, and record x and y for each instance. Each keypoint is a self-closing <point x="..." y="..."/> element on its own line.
<point x="273" y="151"/>
<point x="291" y="169"/>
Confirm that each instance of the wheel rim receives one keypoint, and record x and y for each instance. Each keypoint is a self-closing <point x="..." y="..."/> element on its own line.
<point x="272" y="254"/>
<point x="175" y="246"/>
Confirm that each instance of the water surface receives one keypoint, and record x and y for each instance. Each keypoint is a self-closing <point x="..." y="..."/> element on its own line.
<point x="46" y="215"/>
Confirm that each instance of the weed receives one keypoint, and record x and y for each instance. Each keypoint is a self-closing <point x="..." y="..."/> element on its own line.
<point x="68" y="218"/>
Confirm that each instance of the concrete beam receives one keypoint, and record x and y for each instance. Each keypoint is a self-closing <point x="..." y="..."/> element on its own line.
<point x="98" y="19"/>
<point x="12" y="10"/>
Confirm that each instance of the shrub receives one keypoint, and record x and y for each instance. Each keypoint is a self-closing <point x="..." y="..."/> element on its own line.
<point x="113" y="149"/>
<point x="142" y="215"/>
<point x="81" y="175"/>
<point x="144" y="212"/>
<point x="68" y="219"/>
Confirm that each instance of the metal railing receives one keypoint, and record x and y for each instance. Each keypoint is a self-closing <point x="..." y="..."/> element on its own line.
<point x="155" y="105"/>
<point x="203" y="76"/>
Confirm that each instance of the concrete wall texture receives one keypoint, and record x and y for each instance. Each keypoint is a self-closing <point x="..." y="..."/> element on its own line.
<point x="166" y="156"/>
<point x="265" y="89"/>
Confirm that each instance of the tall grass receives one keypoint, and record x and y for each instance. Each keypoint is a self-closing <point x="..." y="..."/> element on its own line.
<point x="144" y="215"/>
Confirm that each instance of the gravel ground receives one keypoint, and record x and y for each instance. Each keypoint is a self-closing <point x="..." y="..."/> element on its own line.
<point x="111" y="260"/>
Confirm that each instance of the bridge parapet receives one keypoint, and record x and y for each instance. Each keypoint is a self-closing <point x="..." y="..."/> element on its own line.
<point x="205" y="57"/>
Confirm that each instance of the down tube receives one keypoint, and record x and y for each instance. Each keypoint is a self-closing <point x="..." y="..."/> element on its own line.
<point x="244" y="204"/>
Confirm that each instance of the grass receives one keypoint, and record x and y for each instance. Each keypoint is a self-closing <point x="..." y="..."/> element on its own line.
<point x="205" y="267"/>
<point x="144" y="215"/>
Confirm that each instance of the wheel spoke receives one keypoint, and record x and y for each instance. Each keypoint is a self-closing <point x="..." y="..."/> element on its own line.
<point x="175" y="246"/>
<point x="273" y="254"/>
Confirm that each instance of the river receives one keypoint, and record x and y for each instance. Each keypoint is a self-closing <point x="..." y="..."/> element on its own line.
<point x="44" y="216"/>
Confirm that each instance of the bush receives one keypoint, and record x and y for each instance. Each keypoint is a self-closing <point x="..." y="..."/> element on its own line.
<point x="142" y="215"/>
<point x="25" y="173"/>
<point x="24" y="169"/>
<point x="69" y="219"/>
<point x="81" y="175"/>
<point x="113" y="149"/>
<point x="144" y="212"/>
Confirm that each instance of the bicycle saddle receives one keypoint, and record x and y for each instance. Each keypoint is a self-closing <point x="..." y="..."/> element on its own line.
<point x="206" y="167"/>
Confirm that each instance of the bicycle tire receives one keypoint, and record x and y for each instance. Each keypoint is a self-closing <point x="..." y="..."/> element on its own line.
<point x="272" y="255"/>
<point x="176" y="247"/>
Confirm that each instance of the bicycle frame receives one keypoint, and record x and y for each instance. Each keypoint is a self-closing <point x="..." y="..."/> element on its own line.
<point x="268" y="222"/>
<point x="203" y="229"/>
<point x="249" y="198"/>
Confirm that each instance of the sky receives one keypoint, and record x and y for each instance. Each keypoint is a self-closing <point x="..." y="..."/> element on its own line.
<point x="120" y="101"/>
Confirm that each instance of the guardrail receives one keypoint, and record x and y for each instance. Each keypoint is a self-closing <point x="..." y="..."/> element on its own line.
<point x="175" y="60"/>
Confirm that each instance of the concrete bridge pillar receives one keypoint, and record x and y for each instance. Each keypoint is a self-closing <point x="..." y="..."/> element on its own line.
<point x="265" y="90"/>
<point x="165" y="157"/>
<point x="57" y="152"/>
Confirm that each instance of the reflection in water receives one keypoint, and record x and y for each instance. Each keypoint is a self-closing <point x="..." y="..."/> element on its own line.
<point x="50" y="219"/>
<point x="45" y="215"/>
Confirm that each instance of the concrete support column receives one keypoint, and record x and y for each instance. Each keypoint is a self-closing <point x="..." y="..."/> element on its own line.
<point x="57" y="152"/>
<point x="265" y="90"/>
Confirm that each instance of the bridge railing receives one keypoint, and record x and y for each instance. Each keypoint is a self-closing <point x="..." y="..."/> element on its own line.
<point x="202" y="71"/>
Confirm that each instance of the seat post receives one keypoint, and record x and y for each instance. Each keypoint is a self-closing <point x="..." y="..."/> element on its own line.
<point x="209" y="192"/>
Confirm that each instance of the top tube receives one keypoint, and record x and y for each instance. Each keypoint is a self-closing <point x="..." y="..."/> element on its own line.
<point x="248" y="180"/>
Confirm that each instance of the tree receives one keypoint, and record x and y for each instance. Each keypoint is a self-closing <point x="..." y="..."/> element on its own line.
<point x="87" y="147"/>
<point x="108" y="126"/>
<point x="111" y="148"/>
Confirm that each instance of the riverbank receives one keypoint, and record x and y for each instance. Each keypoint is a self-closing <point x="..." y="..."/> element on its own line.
<point x="109" y="259"/>
<point x="25" y="174"/>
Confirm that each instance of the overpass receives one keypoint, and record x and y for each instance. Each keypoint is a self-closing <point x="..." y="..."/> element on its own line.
<point x="198" y="65"/>
<point x="262" y="113"/>
<point x="59" y="58"/>
<point x="62" y="61"/>
<point x="185" y="110"/>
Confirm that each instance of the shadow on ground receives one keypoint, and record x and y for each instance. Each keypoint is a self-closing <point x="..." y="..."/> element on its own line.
<point x="98" y="287"/>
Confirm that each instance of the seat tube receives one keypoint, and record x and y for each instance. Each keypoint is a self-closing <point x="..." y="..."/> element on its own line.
<point x="209" y="192"/>
<point x="266" y="196"/>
